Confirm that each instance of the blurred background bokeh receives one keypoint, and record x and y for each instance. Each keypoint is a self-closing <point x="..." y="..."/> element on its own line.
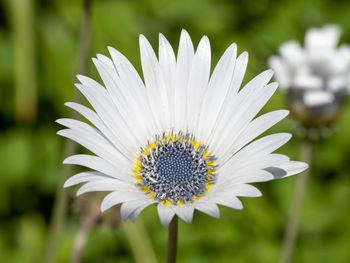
<point x="39" y="49"/>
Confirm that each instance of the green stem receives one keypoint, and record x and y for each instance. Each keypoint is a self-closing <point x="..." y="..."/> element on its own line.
<point x="139" y="241"/>
<point x="83" y="234"/>
<point x="22" y="13"/>
<point x="70" y="148"/>
<point x="172" y="240"/>
<point x="291" y="232"/>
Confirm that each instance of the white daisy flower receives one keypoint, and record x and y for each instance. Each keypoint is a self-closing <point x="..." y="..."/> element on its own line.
<point x="180" y="139"/>
<point x="316" y="77"/>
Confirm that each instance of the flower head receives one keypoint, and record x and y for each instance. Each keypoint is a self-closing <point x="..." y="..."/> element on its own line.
<point x="181" y="139"/>
<point x="317" y="76"/>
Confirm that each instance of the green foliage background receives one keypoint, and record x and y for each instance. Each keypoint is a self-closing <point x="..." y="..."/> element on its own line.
<point x="31" y="154"/>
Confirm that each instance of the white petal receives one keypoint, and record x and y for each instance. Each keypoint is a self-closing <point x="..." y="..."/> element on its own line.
<point x="251" y="176"/>
<point x="89" y="133"/>
<point x="240" y="68"/>
<point x="307" y="81"/>
<point x="97" y="144"/>
<point x="246" y="110"/>
<point x="338" y="61"/>
<point x="185" y="212"/>
<point x="98" y="164"/>
<point x="292" y="53"/>
<point x="337" y="83"/>
<point x="208" y="208"/>
<point x="317" y="98"/>
<point x="223" y="199"/>
<point x="124" y="102"/>
<point x="249" y="164"/>
<point x="233" y="179"/>
<point x="282" y="72"/>
<point x="344" y="51"/>
<point x="167" y="64"/>
<point x="325" y="37"/>
<point x="184" y="61"/>
<point x="255" y="151"/>
<point x="259" y="81"/>
<point x="107" y="61"/>
<point x="156" y="91"/>
<point x="165" y="213"/>
<point x="101" y="102"/>
<point x="247" y="101"/>
<point x="127" y="208"/>
<point x="98" y="123"/>
<point x="287" y="169"/>
<point x="257" y="127"/>
<point x="127" y="72"/>
<point x="245" y="190"/>
<point x="105" y="185"/>
<point x="198" y="82"/>
<point x="264" y="145"/>
<point x="118" y="197"/>
<point x="134" y="87"/>
<point x="231" y="97"/>
<point x="84" y="177"/>
<point x="219" y="85"/>
<point x="133" y="216"/>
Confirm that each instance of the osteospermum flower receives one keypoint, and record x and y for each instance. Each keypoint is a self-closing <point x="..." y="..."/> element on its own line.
<point x="316" y="77"/>
<point x="180" y="139"/>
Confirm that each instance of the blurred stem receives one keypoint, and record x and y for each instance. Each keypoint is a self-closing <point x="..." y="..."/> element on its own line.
<point x="70" y="147"/>
<point x="139" y="241"/>
<point x="292" y="228"/>
<point x="172" y="240"/>
<point x="83" y="234"/>
<point x="22" y="13"/>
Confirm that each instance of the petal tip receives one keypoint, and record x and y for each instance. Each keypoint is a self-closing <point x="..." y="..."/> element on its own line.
<point x="67" y="183"/>
<point x="184" y="31"/>
<point x="67" y="160"/>
<point x="103" y="206"/>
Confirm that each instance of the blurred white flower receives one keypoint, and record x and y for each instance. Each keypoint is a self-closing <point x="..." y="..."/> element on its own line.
<point x="182" y="139"/>
<point x="316" y="77"/>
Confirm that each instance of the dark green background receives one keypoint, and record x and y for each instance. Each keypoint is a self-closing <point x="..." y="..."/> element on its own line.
<point x="31" y="152"/>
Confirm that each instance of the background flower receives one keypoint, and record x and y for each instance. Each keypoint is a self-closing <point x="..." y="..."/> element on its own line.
<point x="316" y="77"/>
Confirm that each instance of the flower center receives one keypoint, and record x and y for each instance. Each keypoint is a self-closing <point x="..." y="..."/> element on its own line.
<point x="175" y="169"/>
